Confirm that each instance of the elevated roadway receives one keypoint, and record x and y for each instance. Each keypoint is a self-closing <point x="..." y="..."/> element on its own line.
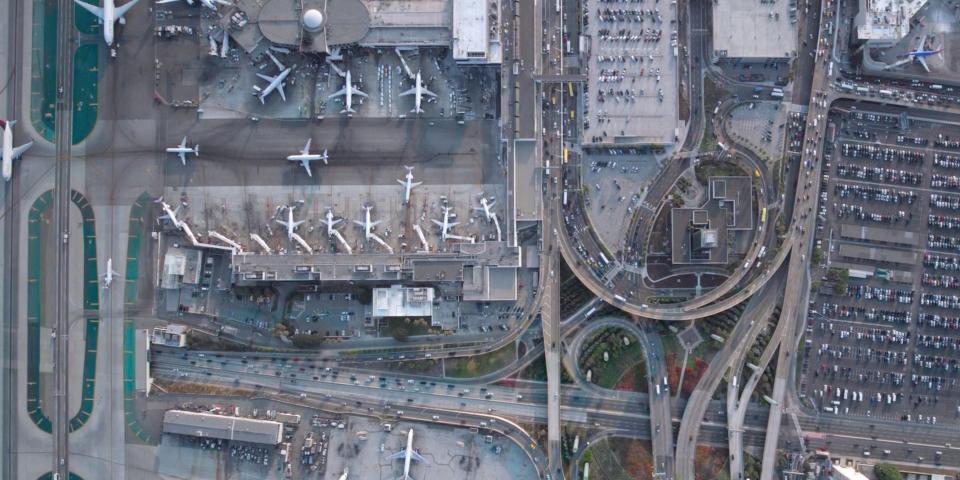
<point x="738" y="342"/>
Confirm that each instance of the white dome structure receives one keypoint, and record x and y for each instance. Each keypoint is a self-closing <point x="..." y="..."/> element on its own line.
<point x="312" y="19"/>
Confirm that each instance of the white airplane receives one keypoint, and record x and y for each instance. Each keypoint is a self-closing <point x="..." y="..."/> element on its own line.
<point x="11" y="153"/>
<point x="348" y="91"/>
<point x="367" y="224"/>
<point x="305" y="157"/>
<point x="108" y="277"/>
<point x="182" y="150"/>
<point x="330" y="222"/>
<point x="276" y="82"/>
<point x="408" y="455"/>
<point x="290" y="223"/>
<point x="346" y="472"/>
<point x="108" y="14"/>
<point x="485" y="208"/>
<point x="446" y="224"/>
<point x="918" y="54"/>
<point x="211" y="4"/>
<point x="419" y="90"/>
<point x="408" y="184"/>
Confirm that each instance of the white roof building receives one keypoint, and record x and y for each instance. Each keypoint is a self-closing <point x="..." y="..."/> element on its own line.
<point x="885" y="21"/>
<point x="400" y="301"/>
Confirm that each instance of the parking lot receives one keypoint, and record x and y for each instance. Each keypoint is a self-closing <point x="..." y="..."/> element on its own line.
<point x="882" y="331"/>
<point x="632" y="73"/>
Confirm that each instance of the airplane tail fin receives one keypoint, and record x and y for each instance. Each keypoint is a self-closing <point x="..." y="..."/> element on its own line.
<point x="348" y="110"/>
<point x="196" y="150"/>
<point x="416" y="110"/>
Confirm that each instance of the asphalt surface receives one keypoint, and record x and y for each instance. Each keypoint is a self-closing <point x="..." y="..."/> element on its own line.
<point x="62" y="191"/>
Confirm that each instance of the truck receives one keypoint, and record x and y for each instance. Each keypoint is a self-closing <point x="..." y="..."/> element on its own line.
<point x="776" y="93"/>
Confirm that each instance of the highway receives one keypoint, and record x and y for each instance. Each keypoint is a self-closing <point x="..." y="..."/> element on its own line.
<point x="64" y="138"/>
<point x="802" y="228"/>
<point x="621" y="412"/>
<point x="661" y="415"/>
<point x="738" y="342"/>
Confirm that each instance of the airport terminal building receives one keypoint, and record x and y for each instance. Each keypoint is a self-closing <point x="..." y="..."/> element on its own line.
<point x="469" y="28"/>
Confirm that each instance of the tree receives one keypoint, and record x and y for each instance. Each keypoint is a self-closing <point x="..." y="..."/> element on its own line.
<point x="401" y="333"/>
<point x="885" y="471"/>
<point x="280" y="330"/>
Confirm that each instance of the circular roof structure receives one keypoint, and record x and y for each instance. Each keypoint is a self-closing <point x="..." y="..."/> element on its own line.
<point x="323" y="23"/>
<point x="312" y="19"/>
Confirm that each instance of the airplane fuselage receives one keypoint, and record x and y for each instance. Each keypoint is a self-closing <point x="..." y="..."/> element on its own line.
<point x="7" y="151"/>
<point x="109" y="16"/>
<point x="409" y="455"/>
<point x="290" y="224"/>
<point x="108" y="278"/>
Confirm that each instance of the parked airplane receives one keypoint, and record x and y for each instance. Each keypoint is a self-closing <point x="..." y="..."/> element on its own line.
<point x="919" y="55"/>
<point x="276" y="82"/>
<point x="367" y="224"/>
<point x="290" y="224"/>
<point x="348" y="91"/>
<point x="419" y="90"/>
<point x="11" y="153"/>
<point x="330" y="222"/>
<point x="305" y="157"/>
<point x="446" y="224"/>
<point x="182" y="150"/>
<point x="108" y="277"/>
<point x="346" y="472"/>
<point x="408" y="455"/>
<point x="485" y="208"/>
<point x="211" y="4"/>
<point x="108" y="14"/>
<point x="408" y="184"/>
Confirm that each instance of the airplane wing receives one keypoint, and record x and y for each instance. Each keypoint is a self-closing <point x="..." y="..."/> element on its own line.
<point x="276" y="62"/>
<point x="342" y="91"/>
<point x="424" y="91"/>
<point x="183" y="143"/>
<point x="399" y="455"/>
<point x="183" y="158"/>
<point x="19" y="150"/>
<point x="161" y="2"/>
<point x="401" y="182"/>
<point x="124" y="9"/>
<point x="409" y="92"/>
<point x="898" y="63"/>
<point x="374" y="224"/>
<point x="416" y="184"/>
<point x="266" y="77"/>
<point x="358" y="222"/>
<point x="491" y="204"/>
<point x="283" y="95"/>
<point x="437" y="222"/>
<point x="306" y="148"/>
<point x="356" y="91"/>
<point x="416" y="456"/>
<point x="90" y="8"/>
<point x="923" y="63"/>
<point x="453" y="224"/>
<point x="306" y="166"/>
<point x="282" y="222"/>
<point x="297" y="224"/>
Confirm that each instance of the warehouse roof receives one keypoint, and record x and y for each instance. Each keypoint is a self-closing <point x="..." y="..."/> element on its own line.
<point x="209" y="425"/>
